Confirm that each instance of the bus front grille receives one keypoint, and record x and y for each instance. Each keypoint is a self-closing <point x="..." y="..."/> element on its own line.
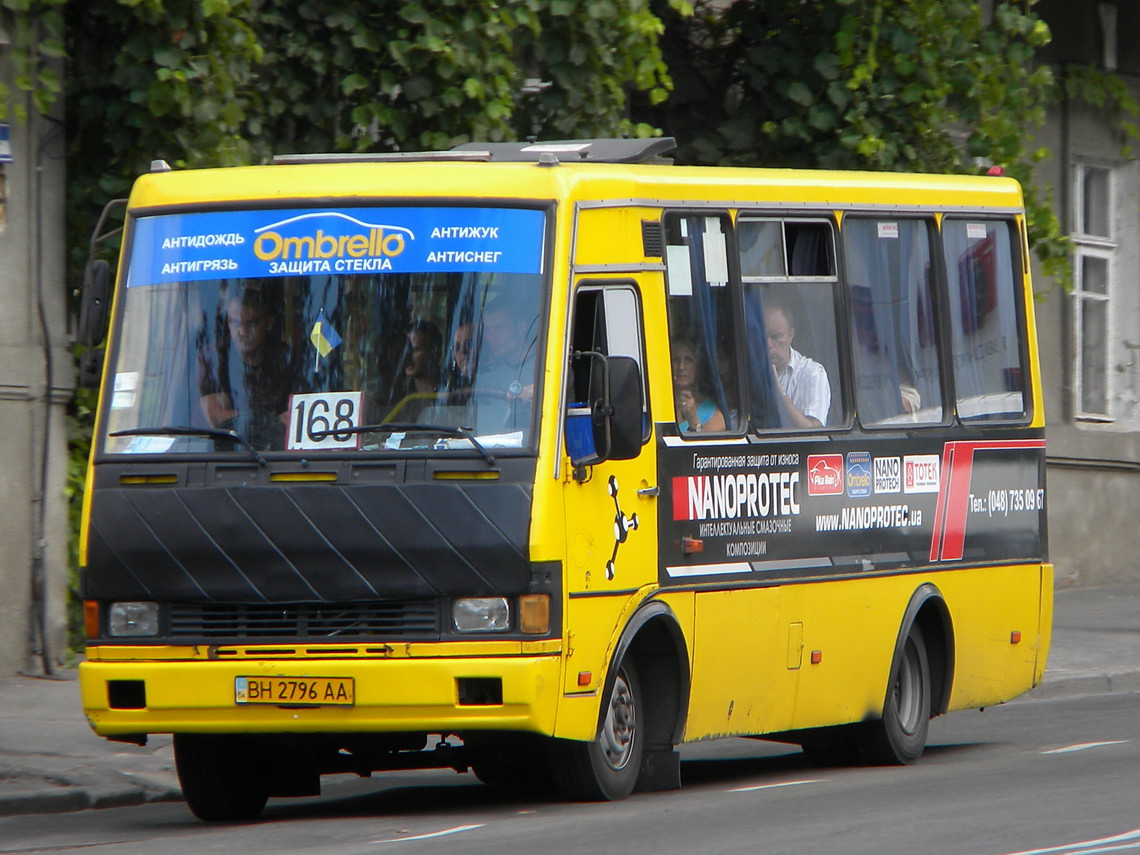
<point x="311" y="621"/>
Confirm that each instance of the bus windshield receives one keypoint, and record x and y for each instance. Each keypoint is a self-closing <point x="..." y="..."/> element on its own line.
<point x="361" y="329"/>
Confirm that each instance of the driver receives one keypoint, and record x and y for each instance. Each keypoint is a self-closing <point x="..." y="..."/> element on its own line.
<point x="247" y="388"/>
<point x="506" y="361"/>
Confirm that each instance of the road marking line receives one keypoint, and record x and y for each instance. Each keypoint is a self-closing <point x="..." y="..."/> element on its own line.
<point x="774" y="786"/>
<point x="1081" y="746"/>
<point x="456" y="830"/>
<point x="1082" y="848"/>
<point x="1127" y="847"/>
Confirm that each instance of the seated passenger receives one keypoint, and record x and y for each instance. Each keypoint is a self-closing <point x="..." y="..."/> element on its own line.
<point x="246" y="386"/>
<point x="803" y="381"/>
<point x="695" y="411"/>
<point x="461" y="367"/>
<point x="419" y="379"/>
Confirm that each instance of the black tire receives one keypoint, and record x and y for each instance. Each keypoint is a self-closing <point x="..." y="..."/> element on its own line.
<point x="833" y="746"/>
<point x="899" y="737"/>
<point x="517" y="762"/>
<point x="223" y="777"/>
<point x="606" y="768"/>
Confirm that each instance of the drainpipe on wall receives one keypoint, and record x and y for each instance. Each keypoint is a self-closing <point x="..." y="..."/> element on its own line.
<point x="1068" y="324"/>
<point x="40" y="593"/>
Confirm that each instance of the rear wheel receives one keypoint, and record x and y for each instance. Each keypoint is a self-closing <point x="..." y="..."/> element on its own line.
<point x="605" y="769"/>
<point x="223" y="777"/>
<point x="899" y="737"/>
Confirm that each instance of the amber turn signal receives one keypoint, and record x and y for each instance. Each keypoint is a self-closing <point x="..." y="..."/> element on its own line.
<point x="91" y="618"/>
<point x="534" y="613"/>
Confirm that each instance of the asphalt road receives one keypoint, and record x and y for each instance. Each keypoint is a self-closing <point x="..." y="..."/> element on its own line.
<point x="1060" y="777"/>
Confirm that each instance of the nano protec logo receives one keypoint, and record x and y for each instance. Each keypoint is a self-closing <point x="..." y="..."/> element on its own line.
<point x="858" y="474"/>
<point x="920" y="473"/>
<point x="825" y="474"/>
<point x="750" y="495"/>
<point x="888" y="475"/>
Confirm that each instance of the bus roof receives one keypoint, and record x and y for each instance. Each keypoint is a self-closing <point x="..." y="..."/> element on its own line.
<point x="557" y="171"/>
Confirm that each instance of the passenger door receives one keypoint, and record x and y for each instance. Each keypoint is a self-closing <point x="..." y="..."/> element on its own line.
<point x="611" y="506"/>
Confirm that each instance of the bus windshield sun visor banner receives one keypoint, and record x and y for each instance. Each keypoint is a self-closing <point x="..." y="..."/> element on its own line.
<point x="300" y="242"/>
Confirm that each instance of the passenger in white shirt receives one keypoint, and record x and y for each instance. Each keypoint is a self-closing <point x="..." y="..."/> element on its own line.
<point x="802" y="381"/>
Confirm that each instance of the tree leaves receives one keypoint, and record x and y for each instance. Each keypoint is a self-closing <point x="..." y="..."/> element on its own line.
<point x="920" y="85"/>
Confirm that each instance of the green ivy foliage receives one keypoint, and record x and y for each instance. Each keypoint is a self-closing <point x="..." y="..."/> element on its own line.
<point x="1107" y="91"/>
<point x="149" y="79"/>
<point x="35" y="49"/>
<point x="384" y="75"/>
<point x="901" y="85"/>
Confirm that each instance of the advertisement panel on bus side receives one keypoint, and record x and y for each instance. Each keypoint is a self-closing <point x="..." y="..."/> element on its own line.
<point x="792" y="510"/>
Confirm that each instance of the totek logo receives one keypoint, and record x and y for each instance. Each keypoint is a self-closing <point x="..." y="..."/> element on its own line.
<point x="825" y="474"/>
<point x="920" y="473"/>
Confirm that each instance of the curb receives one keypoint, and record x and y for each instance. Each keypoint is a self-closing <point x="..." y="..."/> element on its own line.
<point x="24" y="791"/>
<point x="62" y="800"/>
<point x="1090" y="684"/>
<point x="65" y="799"/>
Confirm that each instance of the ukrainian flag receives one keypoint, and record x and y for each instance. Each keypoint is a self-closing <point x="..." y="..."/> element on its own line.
<point x="323" y="336"/>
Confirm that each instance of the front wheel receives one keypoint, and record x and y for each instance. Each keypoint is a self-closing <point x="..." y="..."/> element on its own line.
<point x="605" y="769"/>
<point x="512" y="761"/>
<point x="223" y="777"/>
<point x="900" y="736"/>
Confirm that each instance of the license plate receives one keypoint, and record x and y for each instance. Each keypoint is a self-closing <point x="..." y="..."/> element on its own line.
<point x="307" y="691"/>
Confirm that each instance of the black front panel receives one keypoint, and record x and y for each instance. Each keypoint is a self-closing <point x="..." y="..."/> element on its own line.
<point x="329" y="543"/>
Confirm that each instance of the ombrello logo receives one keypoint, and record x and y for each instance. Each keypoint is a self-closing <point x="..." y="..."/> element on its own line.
<point x="709" y="497"/>
<point x="825" y="474"/>
<point x="376" y="241"/>
<point x="858" y="474"/>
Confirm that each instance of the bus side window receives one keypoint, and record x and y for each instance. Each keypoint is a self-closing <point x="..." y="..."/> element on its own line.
<point x="790" y="282"/>
<point x="898" y="377"/>
<point x="989" y="378"/>
<point x="702" y="324"/>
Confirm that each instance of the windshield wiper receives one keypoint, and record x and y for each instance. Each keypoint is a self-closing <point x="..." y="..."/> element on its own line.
<point x="186" y="430"/>
<point x="463" y="432"/>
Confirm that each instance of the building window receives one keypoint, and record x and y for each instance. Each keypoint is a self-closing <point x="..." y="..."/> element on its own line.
<point x="1094" y="252"/>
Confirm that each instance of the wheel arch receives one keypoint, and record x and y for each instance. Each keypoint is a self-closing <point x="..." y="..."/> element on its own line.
<point x="654" y="639"/>
<point x="927" y="608"/>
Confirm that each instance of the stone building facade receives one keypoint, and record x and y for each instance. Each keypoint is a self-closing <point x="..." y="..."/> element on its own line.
<point x="1090" y="337"/>
<point x="35" y="386"/>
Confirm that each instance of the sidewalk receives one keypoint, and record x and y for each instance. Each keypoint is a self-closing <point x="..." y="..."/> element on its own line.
<point x="50" y="761"/>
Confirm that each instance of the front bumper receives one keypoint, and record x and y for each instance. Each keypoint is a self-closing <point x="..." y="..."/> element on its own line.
<point x="392" y="695"/>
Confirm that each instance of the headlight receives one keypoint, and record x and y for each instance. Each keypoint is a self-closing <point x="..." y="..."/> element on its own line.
<point x="133" y="619"/>
<point x="481" y="614"/>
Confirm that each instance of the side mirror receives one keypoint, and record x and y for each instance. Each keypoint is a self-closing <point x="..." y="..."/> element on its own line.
<point x="93" y="308"/>
<point x="609" y="425"/>
<point x="91" y="368"/>
<point x="625" y="407"/>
